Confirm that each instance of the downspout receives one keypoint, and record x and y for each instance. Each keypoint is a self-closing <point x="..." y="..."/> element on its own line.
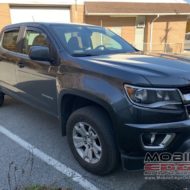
<point x="75" y="5"/>
<point x="101" y="24"/>
<point x="151" y="30"/>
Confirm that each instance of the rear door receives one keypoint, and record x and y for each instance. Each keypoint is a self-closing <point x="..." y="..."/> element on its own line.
<point x="37" y="79"/>
<point x="9" y="51"/>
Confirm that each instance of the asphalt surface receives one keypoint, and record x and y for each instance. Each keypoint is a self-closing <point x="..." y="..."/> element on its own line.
<point x="19" y="168"/>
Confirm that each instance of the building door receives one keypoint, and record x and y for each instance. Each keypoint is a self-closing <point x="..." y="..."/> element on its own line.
<point x="39" y="14"/>
<point x="139" y="32"/>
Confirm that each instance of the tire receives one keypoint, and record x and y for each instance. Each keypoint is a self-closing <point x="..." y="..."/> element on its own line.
<point x="1" y="99"/>
<point x="103" y="147"/>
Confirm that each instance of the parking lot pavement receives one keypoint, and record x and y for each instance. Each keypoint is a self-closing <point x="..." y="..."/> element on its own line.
<point x="19" y="169"/>
<point x="42" y="131"/>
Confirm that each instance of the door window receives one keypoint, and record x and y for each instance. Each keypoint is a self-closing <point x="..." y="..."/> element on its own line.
<point x="9" y="41"/>
<point x="34" y="38"/>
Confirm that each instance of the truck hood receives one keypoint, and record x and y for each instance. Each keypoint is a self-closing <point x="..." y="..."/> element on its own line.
<point x="158" y="70"/>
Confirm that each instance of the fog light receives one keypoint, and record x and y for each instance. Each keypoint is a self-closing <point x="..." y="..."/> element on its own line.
<point x="156" y="140"/>
<point x="148" y="139"/>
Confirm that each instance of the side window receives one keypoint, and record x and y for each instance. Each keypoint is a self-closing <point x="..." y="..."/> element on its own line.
<point x="34" y="38"/>
<point x="99" y="39"/>
<point x="9" y="40"/>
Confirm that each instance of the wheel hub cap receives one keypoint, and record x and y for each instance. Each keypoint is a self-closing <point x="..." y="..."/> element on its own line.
<point x="87" y="142"/>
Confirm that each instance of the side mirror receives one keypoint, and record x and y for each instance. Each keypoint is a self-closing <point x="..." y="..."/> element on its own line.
<point x="39" y="53"/>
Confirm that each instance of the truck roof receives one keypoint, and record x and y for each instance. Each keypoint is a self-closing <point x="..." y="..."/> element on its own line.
<point x="45" y="24"/>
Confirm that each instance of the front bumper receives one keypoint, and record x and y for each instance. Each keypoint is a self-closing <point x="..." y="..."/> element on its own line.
<point x="133" y="151"/>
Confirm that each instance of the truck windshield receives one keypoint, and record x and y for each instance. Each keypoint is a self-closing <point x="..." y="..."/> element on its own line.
<point x="90" y="40"/>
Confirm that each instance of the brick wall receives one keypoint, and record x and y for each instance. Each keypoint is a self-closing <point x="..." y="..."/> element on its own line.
<point x="77" y="13"/>
<point x="167" y="29"/>
<point x="4" y="15"/>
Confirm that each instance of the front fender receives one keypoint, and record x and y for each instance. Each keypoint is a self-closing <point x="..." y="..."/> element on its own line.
<point x="106" y="92"/>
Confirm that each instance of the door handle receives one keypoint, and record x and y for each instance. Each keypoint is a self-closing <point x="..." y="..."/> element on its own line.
<point x="20" y="65"/>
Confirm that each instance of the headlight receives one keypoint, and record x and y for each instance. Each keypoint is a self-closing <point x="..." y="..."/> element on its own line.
<point x="153" y="97"/>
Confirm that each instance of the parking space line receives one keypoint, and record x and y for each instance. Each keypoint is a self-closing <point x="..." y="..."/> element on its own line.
<point x="75" y="176"/>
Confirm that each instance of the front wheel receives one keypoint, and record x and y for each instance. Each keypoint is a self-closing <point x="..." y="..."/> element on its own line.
<point x="91" y="140"/>
<point x="1" y="99"/>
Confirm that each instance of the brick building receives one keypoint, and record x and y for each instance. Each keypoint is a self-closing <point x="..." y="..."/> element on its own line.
<point x="157" y="26"/>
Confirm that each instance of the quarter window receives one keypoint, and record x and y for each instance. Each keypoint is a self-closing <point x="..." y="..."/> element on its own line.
<point x="34" y="38"/>
<point x="9" y="41"/>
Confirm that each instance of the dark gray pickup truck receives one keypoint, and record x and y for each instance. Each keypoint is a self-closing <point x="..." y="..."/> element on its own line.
<point x="113" y="102"/>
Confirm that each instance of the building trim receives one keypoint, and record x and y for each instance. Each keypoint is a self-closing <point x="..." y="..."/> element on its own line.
<point x="38" y="5"/>
<point x="133" y="14"/>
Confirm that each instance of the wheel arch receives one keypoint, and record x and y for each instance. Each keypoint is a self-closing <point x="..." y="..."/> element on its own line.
<point x="72" y="100"/>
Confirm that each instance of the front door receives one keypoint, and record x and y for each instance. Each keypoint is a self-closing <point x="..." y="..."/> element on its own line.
<point x="37" y="79"/>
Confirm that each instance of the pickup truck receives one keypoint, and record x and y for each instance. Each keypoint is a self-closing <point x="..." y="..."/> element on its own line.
<point x="114" y="103"/>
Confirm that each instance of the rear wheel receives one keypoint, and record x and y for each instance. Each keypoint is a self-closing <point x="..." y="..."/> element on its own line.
<point x="1" y="98"/>
<point x="91" y="140"/>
